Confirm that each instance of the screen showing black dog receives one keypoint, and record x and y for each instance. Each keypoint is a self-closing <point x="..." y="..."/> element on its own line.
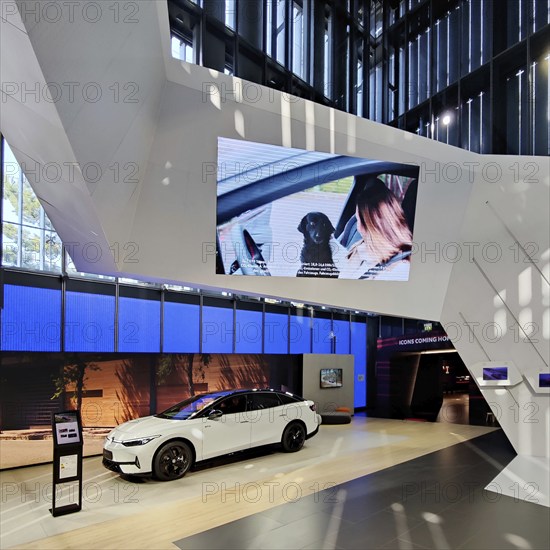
<point x="316" y="255"/>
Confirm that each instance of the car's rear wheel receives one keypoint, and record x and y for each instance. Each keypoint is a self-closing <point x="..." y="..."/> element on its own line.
<point x="172" y="461"/>
<point x="293" y="437"/>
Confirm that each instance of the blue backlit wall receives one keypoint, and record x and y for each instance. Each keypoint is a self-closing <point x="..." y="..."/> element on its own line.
<point x="217" y="326"/>
<point x="31" y="318"/>
<point x="36" y="318"/>
<point x="248" y="329"/>
<point x="181" y="327"/>
<point x="276" y="332"/>
<point x="89" y="322"/>
<point x="322" y="327"/>
<point x="139" y="323"/>
<point x="300" y="333"/>
<point x="359" y="350"/>
<point x="340" y="328"/>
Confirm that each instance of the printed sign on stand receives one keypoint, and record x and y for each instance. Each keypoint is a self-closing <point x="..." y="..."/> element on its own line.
<point x="67" y="459"/>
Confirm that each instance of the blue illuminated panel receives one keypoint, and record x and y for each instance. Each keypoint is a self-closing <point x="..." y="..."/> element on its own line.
<point x="89" y="322"/>
<point x="341" y="333"/>
<point x="138" y="325"/>
<point x="276" y="333"/>
<point x="31" y="319"/>
<point x="249" y="331"/>
<point x="181" y="328"/>
<point x="217" y="329"/>
<point x="300" y="334"/>
<point x="359" y="350"/>
<point x="321" y="335"/>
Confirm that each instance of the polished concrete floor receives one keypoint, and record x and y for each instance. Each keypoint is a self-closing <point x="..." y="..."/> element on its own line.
<point x="455" y="408"/>
<point x="436" y="501"/>
<point x="373" y="483"/>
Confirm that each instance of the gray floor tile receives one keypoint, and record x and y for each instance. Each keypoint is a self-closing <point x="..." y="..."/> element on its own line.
<point x="231" y="535"/>
<point x="299" y="533"/>
<point x="436" y="501"/>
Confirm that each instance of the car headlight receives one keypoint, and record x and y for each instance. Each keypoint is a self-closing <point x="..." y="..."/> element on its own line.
<point x="138" y="441"/>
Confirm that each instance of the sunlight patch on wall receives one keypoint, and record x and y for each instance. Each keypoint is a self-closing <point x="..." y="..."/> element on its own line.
<point x="499" y="319"/>
<point x="499" y="298"/>
<point x="525" y="319"/>
<point x="352" y="135"/>
<point x="525" y="290"/>
<point x="286" y="130"/>
<point x="239" y="123"/>
<point x="310" y="125"/>
<point x="332" y="130"/>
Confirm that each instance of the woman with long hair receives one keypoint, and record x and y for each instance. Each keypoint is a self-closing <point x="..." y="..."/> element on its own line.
<point x="385" y="248"/>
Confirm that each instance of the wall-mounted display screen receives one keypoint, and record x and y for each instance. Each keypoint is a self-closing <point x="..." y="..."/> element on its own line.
<point x="331" y="378"/>
<point x="544" y="380"/>
<point x="495" y="373"/>
<point x="294" y="213"/>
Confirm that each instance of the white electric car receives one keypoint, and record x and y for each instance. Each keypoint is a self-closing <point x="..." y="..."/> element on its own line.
<point x="209" y="425"/>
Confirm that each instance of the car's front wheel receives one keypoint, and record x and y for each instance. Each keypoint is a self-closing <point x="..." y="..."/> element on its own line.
<point x="172" y="461"/>
<point x="293" y="437"/>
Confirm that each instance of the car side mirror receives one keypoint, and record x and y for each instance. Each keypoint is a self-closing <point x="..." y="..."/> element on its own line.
<point x="214" y="414"/>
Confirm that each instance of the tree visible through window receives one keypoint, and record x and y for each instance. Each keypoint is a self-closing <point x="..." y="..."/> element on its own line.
<point x="29" y="239"/>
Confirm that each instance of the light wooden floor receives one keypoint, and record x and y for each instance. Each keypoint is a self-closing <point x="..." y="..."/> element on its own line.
<point x="121" y="514"/>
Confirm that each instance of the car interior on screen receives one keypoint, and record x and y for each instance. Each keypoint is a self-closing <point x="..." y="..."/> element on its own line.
<point x="298" y="213"/>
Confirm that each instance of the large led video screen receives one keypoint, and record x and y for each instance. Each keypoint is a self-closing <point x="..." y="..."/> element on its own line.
<point x="288" y="212"/>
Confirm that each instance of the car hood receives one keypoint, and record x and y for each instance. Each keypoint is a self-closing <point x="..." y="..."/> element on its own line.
<point x="141" y="427"/>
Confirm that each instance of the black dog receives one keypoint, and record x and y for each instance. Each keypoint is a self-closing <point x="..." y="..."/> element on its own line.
<point x="316" y="253"/>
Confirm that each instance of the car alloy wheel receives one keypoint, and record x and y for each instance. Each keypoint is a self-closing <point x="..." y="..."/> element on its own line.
<point x="293" y="437"/>
<point x="173" y="460"/>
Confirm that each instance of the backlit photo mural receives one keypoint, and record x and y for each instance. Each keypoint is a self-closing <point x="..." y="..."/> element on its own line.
<point x="110" y="389"/>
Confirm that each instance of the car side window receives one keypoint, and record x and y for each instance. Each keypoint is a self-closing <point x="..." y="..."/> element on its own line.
<point x="287" y="399"/>
<point x="233" y="405"/>
<point x="260" y="401"/>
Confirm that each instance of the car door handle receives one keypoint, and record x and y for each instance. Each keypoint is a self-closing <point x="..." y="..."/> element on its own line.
<point x="245" y="422"/>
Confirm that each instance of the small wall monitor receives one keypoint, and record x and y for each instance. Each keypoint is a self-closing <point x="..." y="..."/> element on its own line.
<point x="544" y="380"/>
<point x="495" y="373"/>
<point x="331" y="378"/>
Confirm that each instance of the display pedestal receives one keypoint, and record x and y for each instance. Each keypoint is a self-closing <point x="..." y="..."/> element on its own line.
<point x="67" y="460"/>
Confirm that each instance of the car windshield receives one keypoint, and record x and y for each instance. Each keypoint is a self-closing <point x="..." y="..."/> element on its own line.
<point x="190" y="407"/>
